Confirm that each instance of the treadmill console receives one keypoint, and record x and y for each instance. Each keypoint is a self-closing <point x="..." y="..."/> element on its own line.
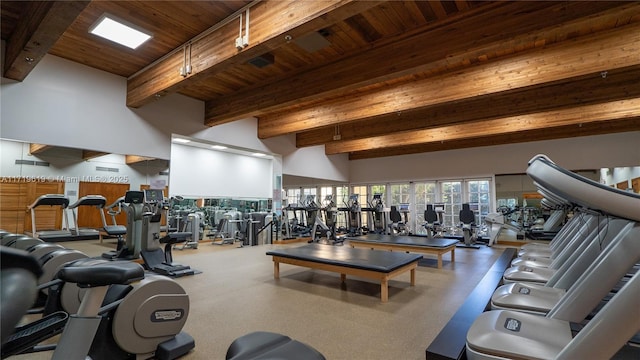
<point x="134" y="197"/>
<point x="154" y="196"/>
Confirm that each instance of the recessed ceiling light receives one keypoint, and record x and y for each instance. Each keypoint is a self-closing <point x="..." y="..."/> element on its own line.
<point x="258" y="154"/>
<point x="181" y="140"/>
<point x="218" y="147"/>
<point x="116" y="30"/>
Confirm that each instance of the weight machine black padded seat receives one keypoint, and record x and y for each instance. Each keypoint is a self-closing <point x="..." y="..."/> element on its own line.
<point x="119" y="231"/>
<point x="430" y="215"/>
<point x="262" y="345"/>
<point x="394" y="215"/>
<point x="115" y="230"/>
<point x="466" y="215"/>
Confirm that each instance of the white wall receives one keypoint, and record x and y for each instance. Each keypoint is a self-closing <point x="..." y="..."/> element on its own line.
<point x="63" y="103"/>
<point x="580" y="153"/>
<point x="205" y="173"/>
<point x="613" y="176"/>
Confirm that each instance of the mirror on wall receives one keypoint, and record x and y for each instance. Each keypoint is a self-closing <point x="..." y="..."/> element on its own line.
<point x="31" y="170"/>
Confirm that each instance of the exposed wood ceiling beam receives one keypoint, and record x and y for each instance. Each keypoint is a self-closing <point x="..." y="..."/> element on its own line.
<point x="45" y="22"/>
<point x="595" y="128"/>
<point x="90" y="154"/>
<point x="600" y="52"/>
<point x="405" y="54"/>
<point x="270" y="21"/>
<point x="587" y="89"/>
<point x="132" y="159"/>
<point x="614" y="110"/>
<point x="38" y="148"/>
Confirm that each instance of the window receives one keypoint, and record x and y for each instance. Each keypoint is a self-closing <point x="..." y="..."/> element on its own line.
<point x="451" y="195"/>
<point x="361" y="191"/>
<point x="342" y="195"/>
<point x="479" y="199"/>
<point x="293" y="196"/>
<point x="425" y="194"/>
<point x="324" y="192"/>
<point x="401" y="194"/>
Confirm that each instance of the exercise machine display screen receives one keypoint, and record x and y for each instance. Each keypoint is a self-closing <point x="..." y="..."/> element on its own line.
<point x="134" y="197"/>
<point x="153" y="196"/>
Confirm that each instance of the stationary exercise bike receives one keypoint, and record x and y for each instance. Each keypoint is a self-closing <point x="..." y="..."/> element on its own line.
<point x="144" y="220"/>
<point x="123" y="314"/>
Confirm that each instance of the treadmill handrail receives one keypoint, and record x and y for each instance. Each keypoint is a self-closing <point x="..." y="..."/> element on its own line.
<point x="118" y="202"/>
<point x="51" y="200"/>
<point x="89" y="200"/>
<point x="582" y="191"/>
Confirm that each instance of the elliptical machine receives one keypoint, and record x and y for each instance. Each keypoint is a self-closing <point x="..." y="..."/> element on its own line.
<point x="325" y="233"/>
<point x="142" y="317"/>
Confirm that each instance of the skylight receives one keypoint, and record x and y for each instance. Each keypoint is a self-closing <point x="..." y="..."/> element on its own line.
<point x="117" y="31"/>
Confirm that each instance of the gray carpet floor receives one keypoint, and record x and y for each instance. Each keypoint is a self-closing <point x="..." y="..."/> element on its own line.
<point x="236" y="293"/>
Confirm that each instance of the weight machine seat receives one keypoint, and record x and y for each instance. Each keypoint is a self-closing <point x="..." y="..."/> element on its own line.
<point x="430" y="215"/>
<point x="91" y="272"/>
<point x="394" y="215"/>
<point x="115" y="230"/>
<point x="175" y="238"/>
<point x="267" y="345"/>
<point x="466" y="215"/>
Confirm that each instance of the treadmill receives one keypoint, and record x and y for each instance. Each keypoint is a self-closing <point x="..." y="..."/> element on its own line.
<point x="508" y="334"/>
<point x="99" y="202"/>
<point x="64" y="232"/>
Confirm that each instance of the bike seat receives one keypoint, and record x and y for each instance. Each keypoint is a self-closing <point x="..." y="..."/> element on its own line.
<point x="175" y="237"/>
<point x="90" y="272"/>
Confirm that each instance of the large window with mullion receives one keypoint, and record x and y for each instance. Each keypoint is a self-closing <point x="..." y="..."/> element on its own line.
<point x="451" y="197"/>
<point x="401" y="194"/>
<point x="425" y="193"/>
<point x="479" y="199"/>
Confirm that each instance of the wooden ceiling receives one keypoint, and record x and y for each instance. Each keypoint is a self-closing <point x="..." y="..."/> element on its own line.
<point x="393" y="77"/>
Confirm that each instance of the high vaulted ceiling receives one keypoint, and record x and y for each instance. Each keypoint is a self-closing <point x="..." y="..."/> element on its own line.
<point x="367" y="78"/>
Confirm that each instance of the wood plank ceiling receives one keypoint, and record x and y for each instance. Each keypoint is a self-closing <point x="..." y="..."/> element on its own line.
<point x="367" y="78"/>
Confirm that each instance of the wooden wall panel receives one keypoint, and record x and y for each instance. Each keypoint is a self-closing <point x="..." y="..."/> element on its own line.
<point x="16" y="196"/>
<point x="88" y="216"/>
<point x="623" y="185"/>
<point x="49" y="217"/>
<point x="635" y="185"/>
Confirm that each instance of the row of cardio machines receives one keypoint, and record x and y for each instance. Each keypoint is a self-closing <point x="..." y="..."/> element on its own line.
<point x="104" y="309"/>
<point x="66" y="231"/>
<point x="143" y="234"/>
<point x="140" y="238"/>
<point x="576" y="297"/>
